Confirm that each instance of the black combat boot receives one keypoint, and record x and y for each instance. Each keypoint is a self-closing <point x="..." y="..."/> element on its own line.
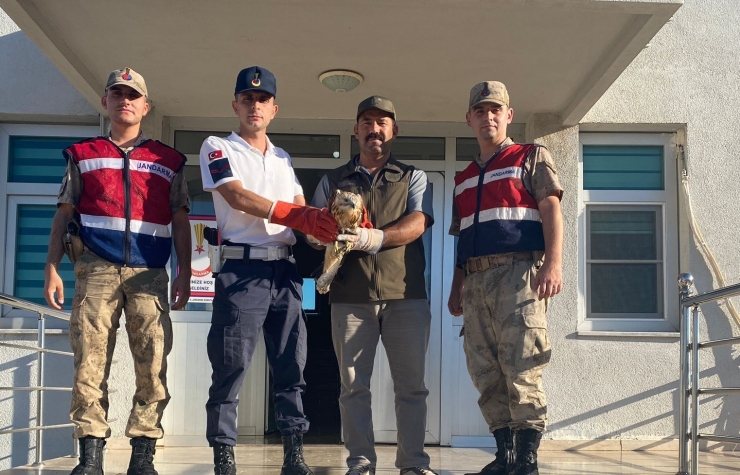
<point x="223" y="460"/>
<point x="293" y="463"/>
<point x="91" y="457"/>
<point x="142" y="456"/>
<point x="504" y="460"/>
<point x="527" y="443"/>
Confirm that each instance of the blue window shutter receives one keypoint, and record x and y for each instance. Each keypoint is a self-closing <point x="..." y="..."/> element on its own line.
<point x="32" y="243"/>
<point x="38" y="159"/>
<point x="623" y="167"/>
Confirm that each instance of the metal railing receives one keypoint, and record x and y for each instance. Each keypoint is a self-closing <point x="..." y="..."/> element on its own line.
<point x="689" y="381"/>
<point x="41" y="351"/>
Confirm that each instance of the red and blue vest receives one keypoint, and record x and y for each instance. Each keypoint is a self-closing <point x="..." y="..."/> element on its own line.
<point x="125" y="203"/>
<point x="497" y="212"/>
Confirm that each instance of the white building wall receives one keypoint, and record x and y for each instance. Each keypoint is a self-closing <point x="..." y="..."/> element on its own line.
<point x="598" y="388"/>
<point x="29" y="82"/>
<point x="688" y="75"/>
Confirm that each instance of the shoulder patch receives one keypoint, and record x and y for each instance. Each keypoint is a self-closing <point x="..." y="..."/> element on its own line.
<point x="220" y="169"/>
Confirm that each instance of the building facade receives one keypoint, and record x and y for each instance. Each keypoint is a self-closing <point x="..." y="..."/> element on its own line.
<point x="631" y="98"/>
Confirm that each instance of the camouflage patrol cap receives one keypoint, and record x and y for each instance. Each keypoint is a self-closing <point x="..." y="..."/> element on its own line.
<point x="127" y="77"/>
<point x="489" y="91"/>
<point x="376" y="102"/>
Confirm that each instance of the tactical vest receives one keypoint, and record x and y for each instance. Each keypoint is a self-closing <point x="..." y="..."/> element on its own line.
<point x="125" y="203"/>
<point x="497" y="212"/>
<point x="391" y="274"/>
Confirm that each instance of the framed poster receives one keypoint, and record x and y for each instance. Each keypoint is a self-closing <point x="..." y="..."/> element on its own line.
<point x="202" y="283"/>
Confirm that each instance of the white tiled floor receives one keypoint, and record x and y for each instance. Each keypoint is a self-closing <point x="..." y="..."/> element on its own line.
<point x="329" y="460"/>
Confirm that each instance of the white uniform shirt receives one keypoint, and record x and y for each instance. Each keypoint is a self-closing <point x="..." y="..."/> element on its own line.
<point x="270" y="175"/>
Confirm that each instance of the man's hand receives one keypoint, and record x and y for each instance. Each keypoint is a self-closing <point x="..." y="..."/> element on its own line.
<point x="364" y="239"/>
<point x="53" y="285"/>
<point x="549" y="280"/>
<point x="180" y="291"/>
<point x="454" y="303"/>
<point x="316" y="222"/>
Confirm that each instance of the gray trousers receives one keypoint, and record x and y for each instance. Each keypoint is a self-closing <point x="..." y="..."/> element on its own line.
<point x="403" y="326"/>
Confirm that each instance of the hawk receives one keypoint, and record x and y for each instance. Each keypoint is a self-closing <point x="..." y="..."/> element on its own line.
<point x="347" y="208"/>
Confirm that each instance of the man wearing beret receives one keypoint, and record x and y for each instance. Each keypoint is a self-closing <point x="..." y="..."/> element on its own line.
<point x="119" y="195"/>
<point x="258" y="203"/>
<point x="380" y="292"/>
<point x="509" y="258"/>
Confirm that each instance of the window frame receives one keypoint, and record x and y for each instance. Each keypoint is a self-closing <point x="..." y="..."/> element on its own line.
<point x="667" y="201"/>
<point x="14" y="194"/>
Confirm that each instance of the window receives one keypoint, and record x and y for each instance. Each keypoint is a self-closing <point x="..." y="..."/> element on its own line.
<point x="413" y="148"/>
<point x="33" y="222"/>
<point x="628" y="234"/>
<point x="466" y="149"/>
<point x="37" y="159"/>
<point x="189" y="142"/>
<point x="31" y="170"/>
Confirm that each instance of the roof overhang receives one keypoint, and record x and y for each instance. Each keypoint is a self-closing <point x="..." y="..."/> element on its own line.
<point x="555" y="56"/>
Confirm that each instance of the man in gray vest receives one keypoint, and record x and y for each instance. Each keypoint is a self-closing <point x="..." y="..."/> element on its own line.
<point x="380" y="292"/>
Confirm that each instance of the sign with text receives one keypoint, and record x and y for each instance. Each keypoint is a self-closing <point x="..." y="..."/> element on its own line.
<point x="202" y="283"/>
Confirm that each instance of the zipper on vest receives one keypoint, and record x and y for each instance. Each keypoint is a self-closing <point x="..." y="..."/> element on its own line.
<point x="127" y="208"/>
<point x="374" y="257"/>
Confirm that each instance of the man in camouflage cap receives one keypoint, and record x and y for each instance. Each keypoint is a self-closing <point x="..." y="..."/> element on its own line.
<point x="507" y="215"/>
<point x="118" y="196"/>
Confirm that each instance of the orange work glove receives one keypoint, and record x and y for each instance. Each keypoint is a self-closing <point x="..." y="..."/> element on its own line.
<point x="366" y="219"/>
<point x="318" y="223"/>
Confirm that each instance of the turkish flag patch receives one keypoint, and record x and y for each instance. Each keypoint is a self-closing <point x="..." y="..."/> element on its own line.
<point x="215" y="155"/>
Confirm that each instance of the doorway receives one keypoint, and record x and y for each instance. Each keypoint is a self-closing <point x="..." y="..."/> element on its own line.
<point x="321" y="399"/>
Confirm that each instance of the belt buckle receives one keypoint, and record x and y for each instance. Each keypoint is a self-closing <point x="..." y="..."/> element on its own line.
<point x="272" y="253"/>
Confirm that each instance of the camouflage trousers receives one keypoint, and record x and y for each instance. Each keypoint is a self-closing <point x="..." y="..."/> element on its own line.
<point x="506" y="345"/>
<point x="102" y="291"/>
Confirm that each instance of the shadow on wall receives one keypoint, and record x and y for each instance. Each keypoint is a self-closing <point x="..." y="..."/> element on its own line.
<point x="21" y="449"/>
<point x="716" y="318"/>
<point x="726" y="369"/>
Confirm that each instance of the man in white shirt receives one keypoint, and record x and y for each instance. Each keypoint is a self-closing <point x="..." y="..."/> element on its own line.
<point x="258" y="200"/>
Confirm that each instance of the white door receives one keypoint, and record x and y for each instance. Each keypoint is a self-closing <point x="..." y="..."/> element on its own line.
<point x="381" y="385"/>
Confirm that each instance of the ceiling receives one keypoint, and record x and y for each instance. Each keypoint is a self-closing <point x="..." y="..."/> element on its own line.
<point x="555" y="56"/>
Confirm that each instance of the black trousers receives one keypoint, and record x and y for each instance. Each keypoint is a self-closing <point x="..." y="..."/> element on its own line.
<point x="254" y="295"/>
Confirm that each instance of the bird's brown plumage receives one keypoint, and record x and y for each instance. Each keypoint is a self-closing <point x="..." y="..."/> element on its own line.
<point x="346" y="207"/>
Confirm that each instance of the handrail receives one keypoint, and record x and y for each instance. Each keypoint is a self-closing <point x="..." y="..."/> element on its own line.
<point x="724" y="342"/>
<point x="41" y="351"/>
<point x="33" y="348"/>
<point x="712" y="295"/>
<point x="15" y="302"/>
<point x="689" y="376"/>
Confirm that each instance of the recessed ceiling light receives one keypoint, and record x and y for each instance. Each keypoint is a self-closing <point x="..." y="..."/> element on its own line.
<point x="340" y="80"/>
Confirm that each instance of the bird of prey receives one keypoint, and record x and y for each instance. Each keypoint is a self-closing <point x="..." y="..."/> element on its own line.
<point x="347" y="209"/>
